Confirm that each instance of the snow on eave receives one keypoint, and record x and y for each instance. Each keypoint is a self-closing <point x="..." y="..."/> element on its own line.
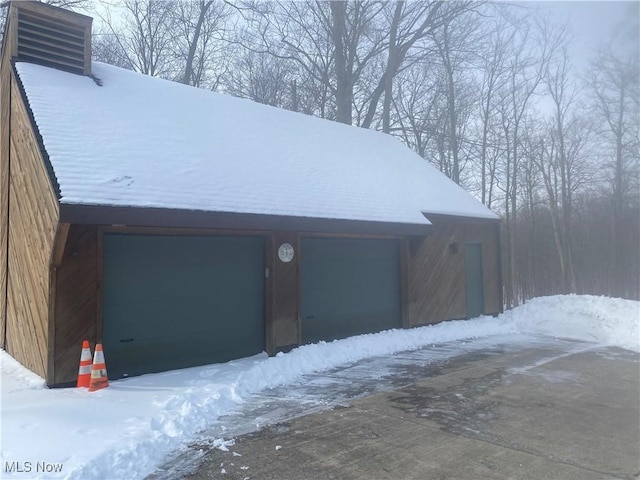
<point x="138" y="141"/>
<point x="460" y="215"/>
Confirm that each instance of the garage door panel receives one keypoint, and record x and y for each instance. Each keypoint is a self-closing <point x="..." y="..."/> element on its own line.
<point x="177" y="301"/>
<point x="167" y="354"/>
<point x="349" y="287"/>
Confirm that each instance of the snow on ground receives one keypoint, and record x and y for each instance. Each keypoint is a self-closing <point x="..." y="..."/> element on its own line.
<point x="128" y="429"/>
<point x="608" y="321"/>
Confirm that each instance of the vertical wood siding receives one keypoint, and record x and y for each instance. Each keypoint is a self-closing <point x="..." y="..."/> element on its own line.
<point x="5" y="83"/>
<point x="76" y="302"/>
<point x="5" y="115"/>
<point x="437" y="275"/>
<point x="285" y="293"/>
<point x="33" y="218"/>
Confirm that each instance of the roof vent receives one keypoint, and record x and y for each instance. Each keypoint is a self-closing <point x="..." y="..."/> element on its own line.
<point x="51" y="36"/>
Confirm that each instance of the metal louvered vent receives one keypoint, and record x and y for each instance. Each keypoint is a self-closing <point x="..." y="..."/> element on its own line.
<point x="51" y="42"/>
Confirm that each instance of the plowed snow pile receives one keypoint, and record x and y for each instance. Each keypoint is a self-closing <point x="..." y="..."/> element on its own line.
<point x="608" y="321"/>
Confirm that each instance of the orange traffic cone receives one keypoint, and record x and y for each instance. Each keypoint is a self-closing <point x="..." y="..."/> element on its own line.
<point x="98" y="371"/>
<point x="84" y="372"/>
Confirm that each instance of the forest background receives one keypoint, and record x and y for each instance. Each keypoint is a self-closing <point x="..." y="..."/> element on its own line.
<point x="501" y="97"/>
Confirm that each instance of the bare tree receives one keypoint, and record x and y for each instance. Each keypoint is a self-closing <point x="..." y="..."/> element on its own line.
<point x="493" y="54"/>
<point x="453" y="43"/>
<point x="533" y="48"/>
<point x="105" y="47"/>
<point x="561" y="163"/>
<point x="75" y="5"/>
<point x="615" y="85"/>
<point x="199" y="45"/>
<point x="146" y="35"/>
<point x="332" y="42"/>
<point x="531" y="199"/>
<point x="262" y="78"/>
<point x="408" y="24"/>
<point x="459" y="82"/>
<point x="415" y="104"/>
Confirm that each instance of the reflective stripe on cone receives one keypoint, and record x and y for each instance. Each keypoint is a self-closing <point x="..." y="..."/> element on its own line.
<point x="84" y="372"/>
<point x="99" y="378"/>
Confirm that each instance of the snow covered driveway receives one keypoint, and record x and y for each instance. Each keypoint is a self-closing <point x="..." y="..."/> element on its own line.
<point x="129" y="429"/>
<point x="526" y="408"/>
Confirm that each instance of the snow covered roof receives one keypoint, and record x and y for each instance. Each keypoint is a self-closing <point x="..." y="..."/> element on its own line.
<point x="140" y="141"/>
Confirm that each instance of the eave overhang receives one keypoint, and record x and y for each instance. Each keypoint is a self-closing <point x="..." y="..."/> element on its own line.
<point x="178" y="218"/>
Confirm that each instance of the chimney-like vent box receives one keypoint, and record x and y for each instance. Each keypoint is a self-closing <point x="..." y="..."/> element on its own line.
<point x="54" y="44"/>
<point x="50" y="36"/>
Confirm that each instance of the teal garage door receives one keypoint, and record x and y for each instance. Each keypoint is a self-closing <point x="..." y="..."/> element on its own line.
<point x="349" y="287"/>
<point x="178" y="301"/>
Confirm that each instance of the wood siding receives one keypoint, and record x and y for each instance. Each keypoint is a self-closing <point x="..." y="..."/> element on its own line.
<point x="5" y="112"/>
<point x="33" y="219"/>
<point x="437" y="274"/>
<point x="8" y="51"/>
<point x="284" y="327"/>
<point x="76" y="303"/>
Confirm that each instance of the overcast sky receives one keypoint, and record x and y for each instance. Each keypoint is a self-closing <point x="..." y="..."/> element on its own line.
<point x="593" y="23"/>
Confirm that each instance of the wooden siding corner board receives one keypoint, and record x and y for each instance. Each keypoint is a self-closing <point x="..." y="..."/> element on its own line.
<point x="59" y="243"/>
<point x="5" y="122"/>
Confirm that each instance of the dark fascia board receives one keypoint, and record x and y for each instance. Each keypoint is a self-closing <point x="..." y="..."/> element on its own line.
<point x="436" y="218"/>
<point x="176" y="218"/>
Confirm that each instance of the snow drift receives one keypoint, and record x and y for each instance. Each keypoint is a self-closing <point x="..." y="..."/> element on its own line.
<point x="603" y="320"/>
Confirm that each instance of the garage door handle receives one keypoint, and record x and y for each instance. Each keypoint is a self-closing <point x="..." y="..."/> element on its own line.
<point x="126" y="340"/>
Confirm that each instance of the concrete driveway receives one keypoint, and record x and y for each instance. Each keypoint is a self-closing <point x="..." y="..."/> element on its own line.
<point x="538" y="409"/>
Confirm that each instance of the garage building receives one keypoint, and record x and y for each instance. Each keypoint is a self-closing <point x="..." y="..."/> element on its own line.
<point x="182" y="227"/>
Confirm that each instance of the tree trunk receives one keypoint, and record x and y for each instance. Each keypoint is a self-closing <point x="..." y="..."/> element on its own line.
<point x="392" y="66"/>
<point x="514" y="206"/>
<point x="193" y="46"/>
<point x="344" y="89"/>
